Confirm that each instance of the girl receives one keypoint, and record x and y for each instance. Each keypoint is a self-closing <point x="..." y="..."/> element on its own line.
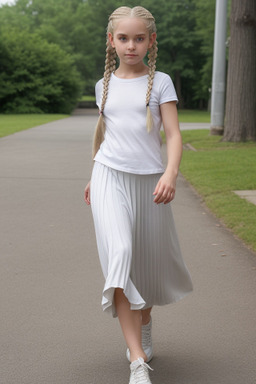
<point x="129" y="191"/>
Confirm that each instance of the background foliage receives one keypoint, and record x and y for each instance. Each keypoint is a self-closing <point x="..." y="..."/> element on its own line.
<point x="51" y="48"/>
<point x="35" y="76"/>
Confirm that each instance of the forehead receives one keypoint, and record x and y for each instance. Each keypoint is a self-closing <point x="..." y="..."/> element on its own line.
<point x="130" y="25"/>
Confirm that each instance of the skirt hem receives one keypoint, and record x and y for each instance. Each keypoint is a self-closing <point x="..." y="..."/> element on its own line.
<point x="109" y="306"/>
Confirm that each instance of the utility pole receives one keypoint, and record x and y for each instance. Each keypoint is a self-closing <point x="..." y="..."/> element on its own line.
<point x="219" y="69"/>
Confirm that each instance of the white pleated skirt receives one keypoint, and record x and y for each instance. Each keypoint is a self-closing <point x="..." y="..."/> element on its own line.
<point x="137" y="242"/>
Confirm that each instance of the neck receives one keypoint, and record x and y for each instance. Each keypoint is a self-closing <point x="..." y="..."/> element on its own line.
<point x="131" y="71"/>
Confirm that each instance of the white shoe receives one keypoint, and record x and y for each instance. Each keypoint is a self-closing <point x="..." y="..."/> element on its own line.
<point x="146" y="340"/>
<point x="139" y="372"/>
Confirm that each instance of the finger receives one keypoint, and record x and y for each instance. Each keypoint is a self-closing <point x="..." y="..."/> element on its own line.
<point x="160" y="197"/>
<point x="156" y="191"/>
<point x="166" y="197"/>
<point x="159" y="187"/>
<point x="88" y="202"/>
<point x="170" y="197"/>
<point x="87" y="198"/>
<point x="167" y="201"/>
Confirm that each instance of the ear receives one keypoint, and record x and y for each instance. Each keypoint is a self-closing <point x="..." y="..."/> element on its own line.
<point x="152" y="39"/>
<point x="111" y="39"/>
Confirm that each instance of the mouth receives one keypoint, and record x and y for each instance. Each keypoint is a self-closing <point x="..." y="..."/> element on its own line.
<point x="130" y="55"/>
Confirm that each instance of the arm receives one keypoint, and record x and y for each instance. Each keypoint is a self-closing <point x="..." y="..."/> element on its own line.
<point x="166" y="186"/>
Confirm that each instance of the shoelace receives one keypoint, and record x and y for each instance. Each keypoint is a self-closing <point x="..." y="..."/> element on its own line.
<point x="142" y="376"/>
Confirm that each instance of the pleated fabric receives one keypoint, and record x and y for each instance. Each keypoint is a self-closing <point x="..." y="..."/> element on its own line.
<point x="137" y="242"/>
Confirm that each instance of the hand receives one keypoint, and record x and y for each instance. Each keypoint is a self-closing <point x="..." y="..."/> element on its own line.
<point x="87" y="194"/>
<point x="165" y="189"/>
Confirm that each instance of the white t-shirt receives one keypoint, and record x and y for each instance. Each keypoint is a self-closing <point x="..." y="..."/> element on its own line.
<point x="127" y="145"/>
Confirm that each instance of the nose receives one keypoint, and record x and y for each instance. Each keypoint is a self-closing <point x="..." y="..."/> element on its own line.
<point x="131" y="45"/>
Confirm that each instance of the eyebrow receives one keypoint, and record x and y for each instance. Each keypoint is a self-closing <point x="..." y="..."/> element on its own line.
<point x="124" y="34"/>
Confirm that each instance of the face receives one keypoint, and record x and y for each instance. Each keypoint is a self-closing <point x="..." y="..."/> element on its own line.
<point x="131" y="40"/>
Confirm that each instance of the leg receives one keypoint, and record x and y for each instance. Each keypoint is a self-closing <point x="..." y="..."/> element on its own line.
<point x="130" y="322"/>
<point x="145" y="313"/>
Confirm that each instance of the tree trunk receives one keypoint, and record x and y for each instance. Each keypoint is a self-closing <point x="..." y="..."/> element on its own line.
<point x="240" y="124"/>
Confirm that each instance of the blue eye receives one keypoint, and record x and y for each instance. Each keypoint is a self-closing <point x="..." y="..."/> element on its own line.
<point x="122" y="38"/>
<point x="140" y="39"/>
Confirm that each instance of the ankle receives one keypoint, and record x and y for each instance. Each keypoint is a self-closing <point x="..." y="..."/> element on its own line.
<point x="135" y="355"/>
<point x="145" y="320"/>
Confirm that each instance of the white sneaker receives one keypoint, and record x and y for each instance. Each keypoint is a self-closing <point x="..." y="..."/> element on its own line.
<point x="146" y="340"/>
<point x="139" y="372"/>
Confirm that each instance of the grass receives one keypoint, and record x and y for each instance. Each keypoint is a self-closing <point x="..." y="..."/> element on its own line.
<point x="14" y="123"/>
<point x="88" y="98"/>
<point x="216" y="170"/>
<point x="193" y="116"/>
<point x="185" y="115"/>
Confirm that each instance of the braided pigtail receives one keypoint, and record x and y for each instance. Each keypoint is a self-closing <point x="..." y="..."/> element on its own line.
<point x="110" y="66"/>
<point x="152" y="55"/>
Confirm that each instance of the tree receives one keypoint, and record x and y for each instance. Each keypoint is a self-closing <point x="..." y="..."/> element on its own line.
<point x="66" y="23"/>
<point x="79" y="28"/>
<point x="240" y="122"/>
<point x="205" y="17"/>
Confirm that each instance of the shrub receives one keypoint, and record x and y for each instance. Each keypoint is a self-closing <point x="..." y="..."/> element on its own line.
<point x="36" y="76"/>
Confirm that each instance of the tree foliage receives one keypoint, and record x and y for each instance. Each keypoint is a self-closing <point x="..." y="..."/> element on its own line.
<point x="35" y="76"/>
<point x="78" y="27"/>
<point x="204" y="30"/>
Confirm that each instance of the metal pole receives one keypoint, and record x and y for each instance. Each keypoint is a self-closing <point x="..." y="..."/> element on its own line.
<point x="219" y="69"/>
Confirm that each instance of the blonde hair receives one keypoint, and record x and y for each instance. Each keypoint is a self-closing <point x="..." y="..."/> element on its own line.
<point x="110" y="66"/>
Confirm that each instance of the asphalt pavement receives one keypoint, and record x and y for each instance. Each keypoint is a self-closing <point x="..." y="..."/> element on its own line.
<point x="52" y="328"/>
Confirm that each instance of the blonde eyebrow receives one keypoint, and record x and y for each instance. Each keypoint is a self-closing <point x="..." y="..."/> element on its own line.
<point x="124" y="34"/>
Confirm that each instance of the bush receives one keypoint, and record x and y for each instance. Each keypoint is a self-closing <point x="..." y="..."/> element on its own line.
<point x="36" y="76"/>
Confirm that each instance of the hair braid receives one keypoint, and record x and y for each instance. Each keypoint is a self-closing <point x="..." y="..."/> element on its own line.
<point x="152" y="55"/>
<point x="110" y="65"/>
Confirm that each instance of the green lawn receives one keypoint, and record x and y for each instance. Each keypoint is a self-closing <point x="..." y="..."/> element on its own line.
<point x="88" y="98"/>
<point x="217" y="169"/>
<point x="185" y="115"/>
<point x="14" y="123"/>
<point x="193" y="116"/>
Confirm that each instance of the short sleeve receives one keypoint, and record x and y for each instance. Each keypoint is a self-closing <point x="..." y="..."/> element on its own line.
<point x="167" y="90"/>
<point x="98" y="92"/>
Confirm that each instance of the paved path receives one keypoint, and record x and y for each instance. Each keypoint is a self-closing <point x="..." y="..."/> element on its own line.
<point x="183" y="126"/>
<point x="52" y="329"/>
